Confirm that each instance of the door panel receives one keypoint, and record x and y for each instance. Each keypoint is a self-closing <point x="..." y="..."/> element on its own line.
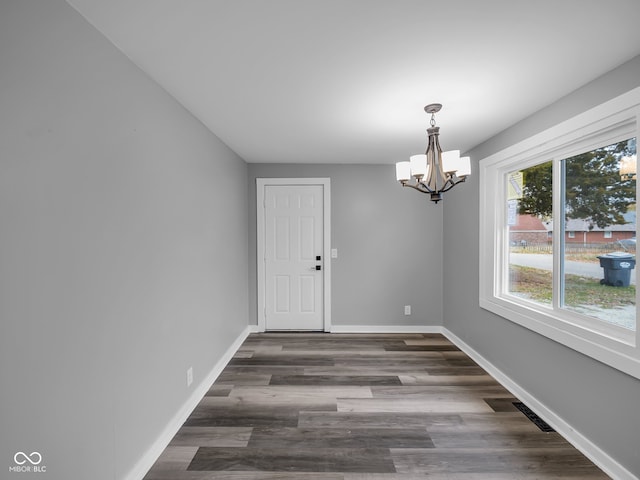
<point x="307" y="293"/>
<point x="293" y="241"/>
<point x="282" y="293"/>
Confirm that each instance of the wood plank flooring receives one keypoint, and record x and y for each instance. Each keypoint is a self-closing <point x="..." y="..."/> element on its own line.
<point x="313" y="406"/>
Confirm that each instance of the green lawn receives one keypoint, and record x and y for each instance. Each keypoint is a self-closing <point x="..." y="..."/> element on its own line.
<point x="535" y="284"/>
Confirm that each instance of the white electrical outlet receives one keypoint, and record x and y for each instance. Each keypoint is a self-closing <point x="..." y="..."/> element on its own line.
<point x="407" y="309"/>
<point x="189" y="376"/>
<point x="334" y="253"/>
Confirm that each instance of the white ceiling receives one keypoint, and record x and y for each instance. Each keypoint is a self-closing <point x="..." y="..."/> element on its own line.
<point x="345" y="81"/>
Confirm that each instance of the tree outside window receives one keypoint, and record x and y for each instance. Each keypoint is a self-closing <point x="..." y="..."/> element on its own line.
<point x="597" y="189"/>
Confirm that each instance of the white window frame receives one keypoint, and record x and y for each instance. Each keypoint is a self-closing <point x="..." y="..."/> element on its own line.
<point x="605" y="124"/>
<point x="607" y="234"/>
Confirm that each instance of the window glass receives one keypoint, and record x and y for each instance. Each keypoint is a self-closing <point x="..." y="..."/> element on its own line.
<point x="529" y="212"/>
<point x="567" y="279"/>
<point x="599" y="258"/>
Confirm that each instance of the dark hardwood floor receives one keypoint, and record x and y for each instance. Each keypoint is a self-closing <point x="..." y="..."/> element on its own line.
<point x="314" y="406"/>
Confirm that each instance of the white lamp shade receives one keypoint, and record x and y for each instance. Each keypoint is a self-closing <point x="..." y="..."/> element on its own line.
<point x="418" y="165"/>
<point x="403" y="171"/>
<point x="450" y="160"/>
<point x="464" y="167"/>
<point x="628" y="166"/>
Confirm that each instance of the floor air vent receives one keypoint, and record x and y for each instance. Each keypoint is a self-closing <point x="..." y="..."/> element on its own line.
<point x="541" y="424"/>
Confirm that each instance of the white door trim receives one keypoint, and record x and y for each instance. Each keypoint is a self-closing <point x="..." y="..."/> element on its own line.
<point x="261" y="183"/>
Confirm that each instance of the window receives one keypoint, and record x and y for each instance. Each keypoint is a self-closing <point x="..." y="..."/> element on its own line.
<point x="598" y="281"/>
<point x="551" y="207"/>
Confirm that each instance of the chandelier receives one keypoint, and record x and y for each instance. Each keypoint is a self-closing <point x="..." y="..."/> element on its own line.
<point x="628" y="167"/>
<point x="434" y="172"/>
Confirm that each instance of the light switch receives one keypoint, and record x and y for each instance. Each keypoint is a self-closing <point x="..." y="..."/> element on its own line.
<point x="334" y="253"/>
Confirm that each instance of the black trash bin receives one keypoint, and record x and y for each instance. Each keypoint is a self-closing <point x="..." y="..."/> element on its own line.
<point x="617" y="268"/>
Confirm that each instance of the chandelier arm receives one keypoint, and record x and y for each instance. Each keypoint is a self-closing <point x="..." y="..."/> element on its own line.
<point x="420" y="187"/>
<point x="452" y="183"/>
<point x="425" y="187"/>
<point x="460" y="180"/>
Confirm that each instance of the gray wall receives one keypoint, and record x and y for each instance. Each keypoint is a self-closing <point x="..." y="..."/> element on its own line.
<point x="389" y="245"/>
<point x="600" y="402"/>
<point x="122" y="249"/>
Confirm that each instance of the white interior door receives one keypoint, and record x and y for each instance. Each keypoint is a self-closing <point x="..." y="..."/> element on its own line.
<point x="294" y="263"/>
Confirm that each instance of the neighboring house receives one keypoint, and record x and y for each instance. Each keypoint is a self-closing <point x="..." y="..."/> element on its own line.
<point x="585" y="232"/>
<point x="530" y="229"/>
<point x="581" y="231"/>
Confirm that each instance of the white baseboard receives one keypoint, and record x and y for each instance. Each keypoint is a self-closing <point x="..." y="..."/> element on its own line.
<point x="141" y="468"/>
<point x="582" y="443"/>
<point x="386" y="329"/>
